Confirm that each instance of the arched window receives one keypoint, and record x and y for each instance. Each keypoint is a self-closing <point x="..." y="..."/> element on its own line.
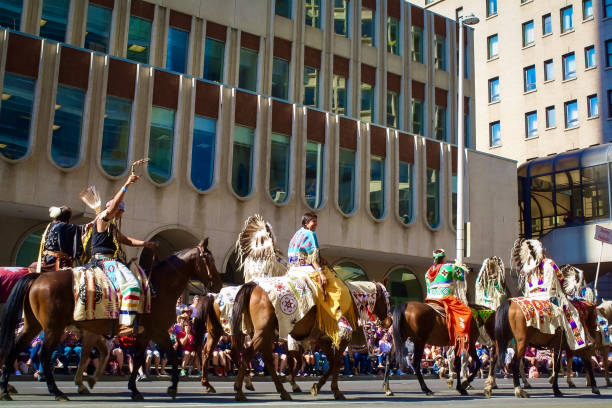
<point x="403" y="286"/>
<point x="242" y="160"/>
<point x="161" y="144"/>
<point x="347" y="165"/>
<point x="66" y="139"/>
<point x="28" y="250"/>
<point x="349" y="271"/>
<point x="203" y="152"/>
<point x="433" y="184"/>
<point x="314" y="174"/>
<point x="280" y="151"/>
<point x="405" y="177"/>
<point x="377" y="185"/>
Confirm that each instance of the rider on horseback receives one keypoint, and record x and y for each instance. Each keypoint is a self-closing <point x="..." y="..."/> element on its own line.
<point x="446" y="285"/>
<point x="107" y="253"/>
<point x="61" y="245"/>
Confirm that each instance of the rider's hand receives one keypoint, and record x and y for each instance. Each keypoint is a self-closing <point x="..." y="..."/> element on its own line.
<point x="150" y="244"/>
<point x="133" y="178"/>
<point x="323" y="279"/>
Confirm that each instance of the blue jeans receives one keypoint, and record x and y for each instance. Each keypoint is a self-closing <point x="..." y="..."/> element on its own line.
<point x="321" y="362"/>
<point x="363" y="362"/>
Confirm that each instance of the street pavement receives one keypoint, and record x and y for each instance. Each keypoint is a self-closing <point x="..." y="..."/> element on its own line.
<point x="362" y="391"/>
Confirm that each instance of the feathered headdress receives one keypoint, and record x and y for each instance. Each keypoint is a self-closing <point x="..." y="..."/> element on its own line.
<point x="91" y="198"/>
<point x="573" y="280"/>
<point x="492" y="271"/>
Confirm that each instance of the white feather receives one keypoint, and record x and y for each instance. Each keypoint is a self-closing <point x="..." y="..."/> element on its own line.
<point x="54" y="212"/>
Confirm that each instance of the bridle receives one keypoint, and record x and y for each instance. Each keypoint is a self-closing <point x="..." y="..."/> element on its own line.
<point x="201" y="262"/>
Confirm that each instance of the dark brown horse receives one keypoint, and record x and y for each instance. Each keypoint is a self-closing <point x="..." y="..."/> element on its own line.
<point x="253" y="302"/>
<point x="47" y="301"/>
<point x="424" y="325"/>
<point x="510" y="323"/>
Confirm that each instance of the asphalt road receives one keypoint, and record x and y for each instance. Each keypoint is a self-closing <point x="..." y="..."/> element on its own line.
<point x="114" y="393"/>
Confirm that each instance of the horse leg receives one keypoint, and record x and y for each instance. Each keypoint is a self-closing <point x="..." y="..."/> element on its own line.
<point x="557" y="362"/>
<point x="604" y="351"/>
<point x="326" y="346"/>
<point x="386" y="386"/>
<point x="459" y="386"/>
<point x="589" y="369"/>
<point x="515" y="363"/>
<point x="416" y="358"/>
<point x="476" y="367"/>
<point x="263" y="343"/>
<point x="337" y="363"/>
<point x="293" y="358"/>
<point x="490" y="381"/>
<point x="85" y="352"/>
<point x="163" y="341"/>
<point x="104" y="355"/>
<point x="569" y="372"/>
<point x="526" y="384"/>
<point x="50" y="343"/>
<point x="213" y="338"/>
<point x="242" y="361"/>
<point x="452" y="373"/>
<point x="21" y="343"/>
<point x="139" y="357"/>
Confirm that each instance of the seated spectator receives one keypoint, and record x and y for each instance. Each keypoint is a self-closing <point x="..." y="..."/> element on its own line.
<point x="308" y="363"/>
<point x="483" y="355"/>
<point x="116" y="356"/>
<point x="186" y="341"/>
<point x="362" y="360"/>
<point x="70" y="350"/>
<point x="544" y="361"/>
<point x="221" y="357"/>
<point x="384" y="347"/>
<point x="280" y="358"/>
<point x="321" y="362"/>
<point x="508" y="361"/>
<point x="439" y="367"/>
<point x="257" y="365"/>
<point x="530" y="357"/>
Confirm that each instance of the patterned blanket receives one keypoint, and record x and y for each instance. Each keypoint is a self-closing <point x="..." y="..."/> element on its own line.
<point x="8" y="278"/>
<point x="364" y="297"/>
<point x="540" y="314"/>
<point x="225" y="301"/>
<point x="97" y="298"/>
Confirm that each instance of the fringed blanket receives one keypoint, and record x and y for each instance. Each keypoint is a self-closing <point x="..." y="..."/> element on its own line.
<point x="95" y="297"/>
<point x="364" y="297"/>
<point x="540" y="314"/>
<point x="225" y="301"/>
<point x="8" y="278"/>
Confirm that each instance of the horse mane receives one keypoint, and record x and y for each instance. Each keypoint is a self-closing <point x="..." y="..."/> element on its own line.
<point x="605" y="308"/>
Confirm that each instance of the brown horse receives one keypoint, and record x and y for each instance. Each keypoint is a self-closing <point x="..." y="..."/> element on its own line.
<point x="424" y="325"/>
<point x="47" y="301"/>
<point x="510" y="323"/>
<point x="252" y="301"/>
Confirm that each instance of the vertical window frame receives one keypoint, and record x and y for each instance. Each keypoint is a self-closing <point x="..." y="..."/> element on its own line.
<point x="590" y="113"/>
<point x="406" y="146"/>
<point x="494" y="97"/>
<point x="497" y="142"/>
<point x="570" y="26"/>
<point x="572" y="124"/>
<point x="375" y="139"/>
<point x="551" y="124"/>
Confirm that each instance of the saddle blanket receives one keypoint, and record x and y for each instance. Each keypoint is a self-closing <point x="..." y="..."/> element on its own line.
<point x="604" y="328"/>
<point x="8" y="278"/>
<point x="225" y="301"/>
<point x="540" y="314"/>
<point x="95" y="296"/>
<point x="364" y="297"/>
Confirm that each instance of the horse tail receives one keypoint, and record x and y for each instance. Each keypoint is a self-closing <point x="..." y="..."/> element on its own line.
<point x="399" y="324"/>
<point x="11" y="314"/>
<point x="243" y="296"/>
<point x="205" y="311"/>
<point x="503" y="332"/>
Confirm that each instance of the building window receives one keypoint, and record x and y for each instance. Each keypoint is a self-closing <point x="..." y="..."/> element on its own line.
<point x="607" y="8"/>
<point x="29" y="248"/>
<point x="592" y="106"/>
<point x="433" y="197"/>
<point x="531" y="124"/>
<point x="341" y="17"/>
<point x="547" y="24"/>
<point x="549" y="70"/>
<point x="339" y="95"/>
<point x="567" y="19"/>
<point x="280" y="157"/>
<point x="116" y="135"/>
<point x="368" y="26"/>
<point x="67" y="121"/>
<point x="440" y="122"/>
<point x="393" y="109"/>
<point x="280" y="78"/>
<point x="494" y="134"/>
<point x="214" y="57"/>
<point x="569" y="66"/>
<point x="405" y="192"/>
<point x="417" y="44"/>
<point x="571" y="114"/>
<point x="98" y="27"/>
<point x="313" y="13"/>
<point x="16" y="115"/>
<point x="454" y="199"/>
<point x="589" y="57"/>
<point x="610" y="103"/>
<point x="367" y="102"/>
<point x="491" y="7"/>
<point x="609" y="53"/>
<point x="440" y="52"/>
<point x="242" y="160"/>
<point x="178" y="46"/>
<point x="418" y="116"/>
<point x="54" y="19"/>
<point x="529" y="75"/>
<point x="247" y="78"/>
<point x="528" y="37"/>
<point x="139" y="40"/>
<point x="347" y="179"/>
<point x="10" y="14"/>
<point x="492" y="47"/>
<point x="314" y="174"/>
<point x="494" y="89"/>
<point x="348" y="271"/>
<point x="393" y="36"/>
<point x="595" y="202"/>
<point x="311" y="86"/>
<point x="161" y="144"/>
<point x="403" y="286"/>
<point x="377" y="186"/>
<point x="203" y="152"/>
<point x="587" y="9"/>
<point x="283" y="8"/>
<point x="551" y="120"/>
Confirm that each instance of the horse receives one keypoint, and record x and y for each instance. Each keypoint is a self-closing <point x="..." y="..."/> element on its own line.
<point x="425" y="325"/>
<point x="47" y="301"/>
<point x="252" y="301"/>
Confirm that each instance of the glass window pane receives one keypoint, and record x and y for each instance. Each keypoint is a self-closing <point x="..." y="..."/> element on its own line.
<point x="28" y="251"/>
<point x="393" y="109"/>
<point x="16" y="115"/>
<point x="440" y="123"/>
<point x="178" y="45"/>
<point x="347" y="179"/>
<point x="494" y="134"/>
<point x="607" y="8"/>
<point x="377" y="186"/>
<point x="214" y="56"/>
<point x="367" y="102"/>
<point x="313" y="13"/>
<point x="571" y="114"/>
<point x="161" y="144"/>
<point x="587" y="9"/>
<point x="454" y="199"/>
<point x="567" y="19"/>
<point x="531" y="124"/>
<point x="314" y="174"/>
<point x="339" y="95"/>
<point x="280" y="78"/>
<point x="528" y="37"/>
<point x="568" y="209"/>
<point x="242" y="160"/>
<point x="280" y="151"/>
<point x="248" y="70"/>
<point x="418" y="116"/>
<point x="569" y="66"/>
<point x="403" y="286"/>
<point x="589" y="57"/>
<point x="66" y="139"/>
<point x="203" y="152"/>
<point x="433" y="197"/>
<point x="530" y="78"/>
<point x="98" y="27"/>
<point x="341" y="17"/>
<point x="546" y="24"/>
<point x="348" y="271"/>
<point x="549" y="72"/>
<point x="393" y="42"/>
<point x="116" y="135"/>
<point x="440" y="52"/>
<point x="595" y="201"/>
<point x="311" y="86"/>
<point x="551" y="120"/>
<point x="54" y="19"/>
<point x="368" y="26"/>
<point x="593" y="106"/>
<point x="283" y="8"/>
<point x="405" y="192"/>
<point x="10" y="14"/>
<point x="494" y="90"/>
<point x="492" y="47"/>
<point x="609" y="53"/>
<point x="491" y="7"/>
<point x="418" y="54"/>
<point x="139" y="40"/>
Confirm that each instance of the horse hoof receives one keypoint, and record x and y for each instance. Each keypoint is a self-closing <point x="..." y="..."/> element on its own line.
<point x="91" y="382"/>
<point x="608" y="383"/>
<point x="12" y="390"/>
<point x="286" y="396"/>
<point x="449" y="382"/>
<point x="465" y="384"/>
<point x="527" y="386"/>
<point x="558" y="394"/>
<point x="520" y="393"/>
<point x="571" y="385"/>
<point x="339" y="396"/>
<point x="469" y="387"/>
<point x="61" y="398"/>
<point x="463" y="392"/>
<point x="314" y="390"/>
<point x="249" y="387"/>
<point x="596" y="391"/>
<point x="5" y="397"/>
<point x="240" y="397"/>
<point x="389" y="393"/>
<point x="495" y="387"/>
<point x="83" y="390"/>
<point x="172" y="392"/>
<point x="296" y="388"/>
<point x="429" y="393"/>
<point x="136" y="396"/>
<point x="487" y="392"/>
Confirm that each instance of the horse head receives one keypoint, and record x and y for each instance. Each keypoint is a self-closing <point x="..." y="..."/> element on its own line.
<point x="204" y="267"/>
<point x="382" y="308"/>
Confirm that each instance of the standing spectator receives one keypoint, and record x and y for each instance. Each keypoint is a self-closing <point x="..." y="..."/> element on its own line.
<point x="179" y="305"/>
<point x="508" y="361"/>
<point x="194" y="306"/>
